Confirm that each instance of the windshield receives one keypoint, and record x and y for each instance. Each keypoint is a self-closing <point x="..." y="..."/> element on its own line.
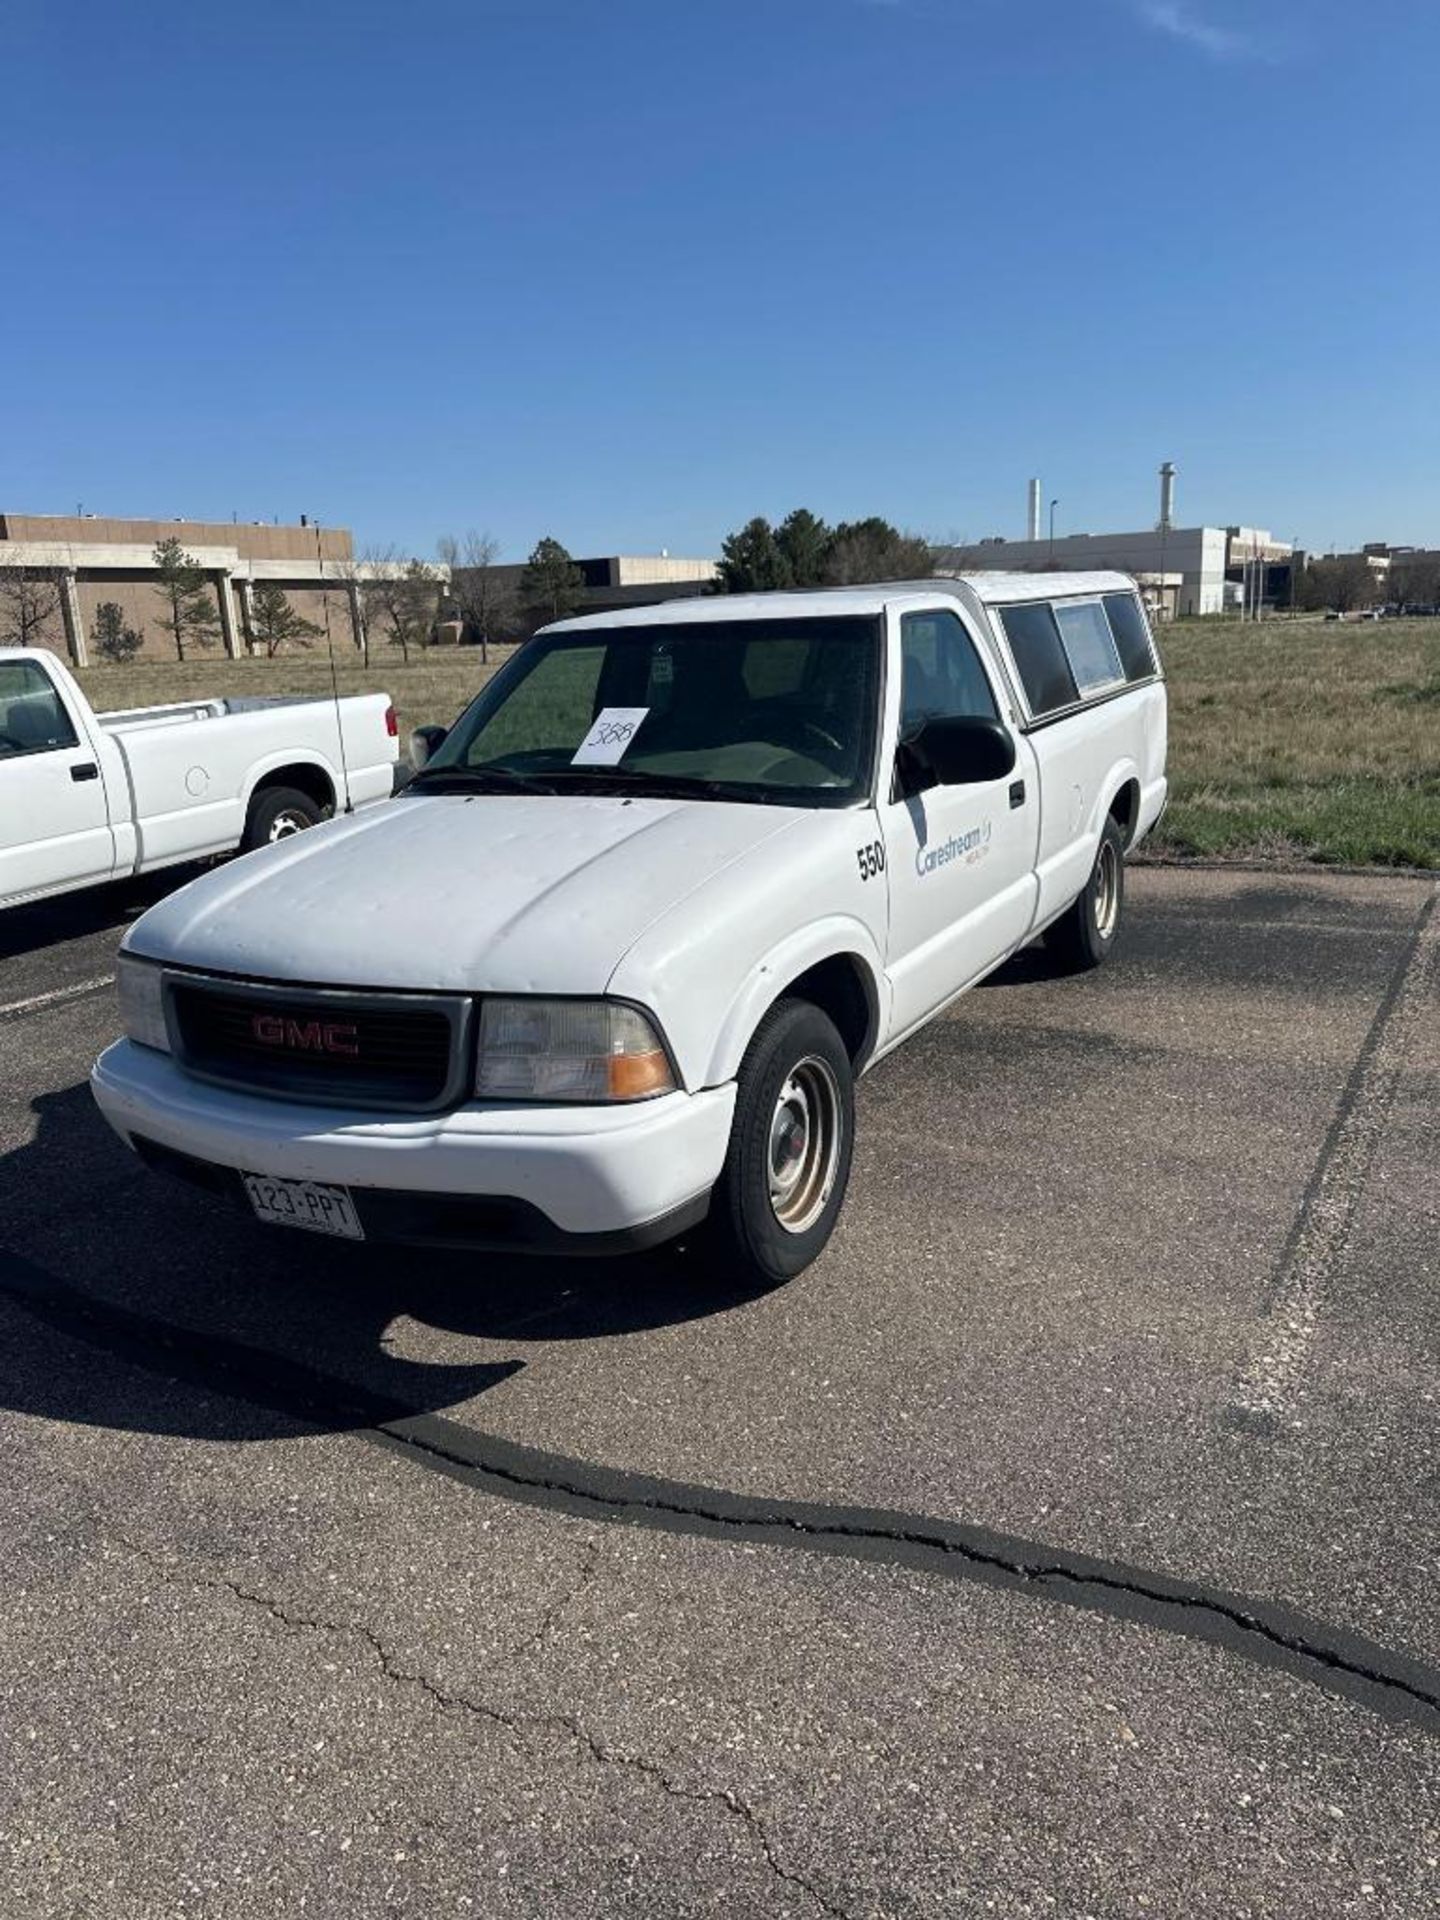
<point x="763" y="710"/>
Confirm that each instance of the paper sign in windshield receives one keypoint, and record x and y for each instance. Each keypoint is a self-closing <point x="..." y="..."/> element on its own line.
<point x="607" y="740"/>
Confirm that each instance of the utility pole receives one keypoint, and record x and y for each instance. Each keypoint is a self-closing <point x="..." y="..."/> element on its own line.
<point x="1053" y="505"/>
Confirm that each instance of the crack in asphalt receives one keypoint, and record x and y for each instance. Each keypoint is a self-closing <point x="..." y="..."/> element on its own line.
<point x="449" y="1700"/>
<point x="1394" y="1684"/>
<point x="589" y="1571"/>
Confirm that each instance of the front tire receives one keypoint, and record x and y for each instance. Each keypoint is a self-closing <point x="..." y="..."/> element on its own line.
<point x="276" y="814"/>
<point x="783" y="1184"/>
<point x="1085" y="934"/>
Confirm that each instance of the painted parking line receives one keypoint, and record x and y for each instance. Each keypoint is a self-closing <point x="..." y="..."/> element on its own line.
<point x="1274" y="1379"/>
<point x="38" y="1002"/>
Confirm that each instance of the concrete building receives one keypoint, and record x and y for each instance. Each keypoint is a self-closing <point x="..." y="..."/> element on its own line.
<point x="1205" y="558"/>
<point x="93" y="559"/>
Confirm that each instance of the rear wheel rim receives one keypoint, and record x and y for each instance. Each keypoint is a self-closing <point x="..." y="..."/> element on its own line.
<point x="803" y="1150"/>
<point x="286" y="824"/>
<point x="1107" y="891"/>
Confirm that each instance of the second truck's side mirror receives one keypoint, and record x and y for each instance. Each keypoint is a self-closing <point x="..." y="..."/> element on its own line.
<point x="425" y="742"/>
<point x="963" y="752"/>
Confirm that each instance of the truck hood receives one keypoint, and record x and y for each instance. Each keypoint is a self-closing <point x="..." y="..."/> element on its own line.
<point x="469" y="893"/>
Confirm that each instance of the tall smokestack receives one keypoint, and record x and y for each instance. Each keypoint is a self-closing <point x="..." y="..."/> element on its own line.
<point x="1167" y="496"/>
<point x="1035" y="493"/>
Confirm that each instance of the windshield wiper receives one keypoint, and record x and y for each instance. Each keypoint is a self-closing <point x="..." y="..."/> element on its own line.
<point x="663" y="786"/>
<point x="477" y="780"/>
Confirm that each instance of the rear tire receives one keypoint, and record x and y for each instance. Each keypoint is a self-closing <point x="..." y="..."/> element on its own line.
<point x="276" y="814"/>
<point x="780" y="1192"/>
<point x="1085" y="934"/>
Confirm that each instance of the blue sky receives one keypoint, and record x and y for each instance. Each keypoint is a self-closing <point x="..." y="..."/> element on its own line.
<point x="629" y="273"/>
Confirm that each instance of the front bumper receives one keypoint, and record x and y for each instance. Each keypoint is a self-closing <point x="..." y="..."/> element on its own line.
<point x="580" y="1179"/>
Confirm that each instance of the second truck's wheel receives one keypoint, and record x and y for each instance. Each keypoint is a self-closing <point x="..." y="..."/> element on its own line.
<point x="276" y="814"/>
<point x="783" y="1184"/>
<point x="1085" y="935"/>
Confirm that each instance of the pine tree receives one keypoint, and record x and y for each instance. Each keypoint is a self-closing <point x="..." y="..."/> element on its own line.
<point x="114" y="641"/>
<point x="805" y="542"/>
<point x="753" y="561"/>
<point x="552" y="583"/>
<point x="275" y="623"/>
<point x="193" y="617"/>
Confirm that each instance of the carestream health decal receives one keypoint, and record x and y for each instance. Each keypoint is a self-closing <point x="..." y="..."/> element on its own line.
<point x="968" y="847"/>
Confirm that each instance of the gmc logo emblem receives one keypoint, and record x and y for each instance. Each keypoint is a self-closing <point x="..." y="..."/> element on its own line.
<point x="304" y="1036"/>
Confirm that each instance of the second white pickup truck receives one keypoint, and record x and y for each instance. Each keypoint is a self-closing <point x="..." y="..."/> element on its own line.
<point x="684" y="873"/>
<point x="87" y="797"/>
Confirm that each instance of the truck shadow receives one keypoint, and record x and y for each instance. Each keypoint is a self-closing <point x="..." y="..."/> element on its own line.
<point x="77" y="916"/>
<point x="133" y="1303"/>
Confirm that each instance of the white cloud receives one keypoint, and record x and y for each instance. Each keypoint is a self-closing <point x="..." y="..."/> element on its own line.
<point x="1177" y="19"/>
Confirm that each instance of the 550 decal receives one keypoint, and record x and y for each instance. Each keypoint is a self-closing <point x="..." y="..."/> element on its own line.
<point x="872" y="860"/>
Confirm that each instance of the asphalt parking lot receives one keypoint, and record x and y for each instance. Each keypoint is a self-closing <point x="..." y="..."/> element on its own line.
<point x="1066" y="1541"/>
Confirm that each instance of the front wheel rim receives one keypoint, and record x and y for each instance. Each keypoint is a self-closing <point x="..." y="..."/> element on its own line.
<point x="1107" y="892"/>
<point x="803" y="1150"/>
<point x="287" y="824"/>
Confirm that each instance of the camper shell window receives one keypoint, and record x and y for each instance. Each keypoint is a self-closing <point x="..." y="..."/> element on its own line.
<point x="1069" y="653"/>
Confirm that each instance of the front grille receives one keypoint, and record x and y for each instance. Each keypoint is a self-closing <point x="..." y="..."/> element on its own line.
<point x="386" y="1050"/>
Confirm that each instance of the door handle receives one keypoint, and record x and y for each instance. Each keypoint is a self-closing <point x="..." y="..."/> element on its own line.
<point x="1017" y="793"/>
<point x="85" y="770"/>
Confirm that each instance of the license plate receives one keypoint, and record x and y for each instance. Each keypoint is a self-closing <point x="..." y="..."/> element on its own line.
<point x="303" y="1203"/>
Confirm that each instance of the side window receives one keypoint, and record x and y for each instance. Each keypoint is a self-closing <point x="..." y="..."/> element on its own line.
<point x="1132" y="635"/>
<point x="1040" y="658"/>
<point x="32" y="716"/>
<point x="1089" y="646"/>
<point x="943" y="677"/>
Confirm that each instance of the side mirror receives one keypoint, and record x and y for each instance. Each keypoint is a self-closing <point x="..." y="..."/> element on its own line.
<point x="963" y="752"/>
<point x="425" y="742"/>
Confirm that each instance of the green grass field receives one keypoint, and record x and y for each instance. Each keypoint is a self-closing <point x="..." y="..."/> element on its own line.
<point x="1307" y="741"/>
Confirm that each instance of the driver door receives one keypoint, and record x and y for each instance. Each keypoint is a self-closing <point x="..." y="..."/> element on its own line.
<point x="960" y="859"/>
<point x="54" y="821"/>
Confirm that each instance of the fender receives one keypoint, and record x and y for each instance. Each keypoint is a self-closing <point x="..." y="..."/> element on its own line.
<point x="836" y="936"/>
<point x="1122" y="774"/>
<point x="294" y="757"/>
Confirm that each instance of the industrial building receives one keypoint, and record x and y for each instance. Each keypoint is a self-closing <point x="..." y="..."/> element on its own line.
<point x="1182" y="570"/>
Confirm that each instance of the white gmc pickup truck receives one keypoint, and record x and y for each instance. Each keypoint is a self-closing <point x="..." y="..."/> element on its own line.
<point x="610" y="966"/>
<point x="87" y="797"/>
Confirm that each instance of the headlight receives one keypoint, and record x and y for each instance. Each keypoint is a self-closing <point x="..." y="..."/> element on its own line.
<point x="142" y="1003"/>
<point x="569" y="1050"/>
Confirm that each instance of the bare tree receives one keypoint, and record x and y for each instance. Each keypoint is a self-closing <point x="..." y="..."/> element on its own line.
<point x="403" y="595"/>
<point x="350" y="575"/>
<point x="482" y="592"/>
<point x="29" y="606"/>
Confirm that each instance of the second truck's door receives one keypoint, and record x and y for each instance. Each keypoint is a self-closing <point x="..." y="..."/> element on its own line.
<point x="960" y="860"/>
<point x="54" y="821"/>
